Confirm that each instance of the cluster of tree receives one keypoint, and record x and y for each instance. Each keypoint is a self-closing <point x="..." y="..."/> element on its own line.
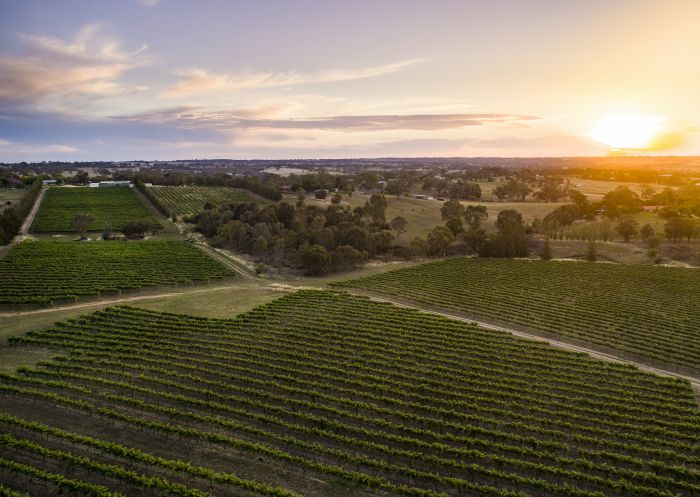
<point x="681" y="202"/>
<point x="509" y="241"/>
<point x="514" y="189"/>
<point x="11" y="218"/>
<point x="565" y="215"/>
<point x="314" y="238"/>
<point x="552" y="189"/>
<point x="10" y="179"/>
<point x="457" y="187"/>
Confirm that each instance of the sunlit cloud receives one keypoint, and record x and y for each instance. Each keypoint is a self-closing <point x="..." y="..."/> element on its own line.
<point x="196" y="81"/>
<point x="64" y="75"/>
<point x="192" y="116"/>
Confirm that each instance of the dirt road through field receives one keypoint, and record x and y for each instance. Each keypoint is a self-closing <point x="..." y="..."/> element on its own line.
<point x="694" y="380"/>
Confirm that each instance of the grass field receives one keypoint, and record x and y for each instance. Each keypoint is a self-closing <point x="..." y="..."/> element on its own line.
<point x="12" y="195"/>
<point x="116" y="206"/>
<point x="43" y="272"/>
<point x="424" y="215"/>
<point x="326" y="394"/>
<point x="648" y="311"/>
<point x="190" y="200"/>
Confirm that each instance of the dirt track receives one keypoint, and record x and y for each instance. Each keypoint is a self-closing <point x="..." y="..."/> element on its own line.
<point x="24" y="229"/>
<point x="694" y="380"/>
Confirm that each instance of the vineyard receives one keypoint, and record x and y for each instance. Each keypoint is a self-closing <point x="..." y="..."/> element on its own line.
<point x="652" y="312"/>
<point x="115" y="206"/>
<point x="190" y="200"/>
<point x="42" y="272"/>
<point x="326" y="394"/>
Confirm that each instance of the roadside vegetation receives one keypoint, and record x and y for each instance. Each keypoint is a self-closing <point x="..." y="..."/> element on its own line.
<point x="12" y="215"/>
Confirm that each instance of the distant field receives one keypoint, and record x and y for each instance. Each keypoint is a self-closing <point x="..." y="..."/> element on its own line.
<point x="325" y="394"/>
<point x="12" y="195"/>
<point x="596" y="189"/>
<point x="114" y="205"/>
<point x="42" y="272"/>
<point x="189" y="200"/>
<point x="424" y="215"/>
<point x="649" y="311"/>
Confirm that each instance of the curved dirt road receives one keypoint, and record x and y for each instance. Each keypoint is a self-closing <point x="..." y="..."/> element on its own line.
<point x="694" y="380"/>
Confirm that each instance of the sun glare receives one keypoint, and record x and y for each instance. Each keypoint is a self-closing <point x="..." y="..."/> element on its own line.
<point x="628" y="132"/>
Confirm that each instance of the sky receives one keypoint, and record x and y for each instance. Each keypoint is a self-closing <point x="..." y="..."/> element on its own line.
<point x="264" y="79"/>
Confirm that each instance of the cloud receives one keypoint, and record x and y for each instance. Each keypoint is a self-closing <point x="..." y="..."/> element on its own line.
<point x="195" y="81"/>
<point x="149" y="3"/>
<point x="7" y="147"/>
<point x="60" y="75"/>
<point x="192" y="116"/>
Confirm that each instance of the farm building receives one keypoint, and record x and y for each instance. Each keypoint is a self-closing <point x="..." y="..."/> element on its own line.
<point x="49" y="181"/>
<point x="111" y="184"/>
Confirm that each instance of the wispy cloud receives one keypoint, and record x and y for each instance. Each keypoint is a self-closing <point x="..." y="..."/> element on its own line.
<point x="16" y="148"/>
<point x="59" y="75"/>
<point x="195" y="81"/>
<point x="195" y="117"/>
<point x="87" y="45"/>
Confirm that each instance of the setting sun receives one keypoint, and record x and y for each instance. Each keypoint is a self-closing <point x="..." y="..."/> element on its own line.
<point x="628" y="132"/>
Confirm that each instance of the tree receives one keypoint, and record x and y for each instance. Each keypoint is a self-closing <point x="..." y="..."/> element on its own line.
<point x="398" y="224"/>
<point x="320" y="194"/>
<point x="81" y="222"/>
<point x="81" y="178"/>
<point x="546" y="253"/>
<point x="316" y="260"/>
<point x="451" y="209"/>
<point x="259" y="247"/>
<point x="679" y="227"/>
<point x="510" y="240"/>
<point x="439" y="240"/>
<point x="621" y="202"/>
<point x="647" y="232"/>
<point x="346" y="257"/>
<point x="419" y="247"/>
<point x="627" y="228"/>
<point x="367" y="180"/>
<point x="455" y="225"/>
<point x="474" y="214"/>
<point x="464" y="191"/>
<point x="137" y="228"/>
<point x="395" y="187"/>
<point x="509" y="221"/>
<point x="377" y="208"/>
<point x="473" y="238"/>
<point x="336" y="199"/>
<point x="301" y="197"/>
<point x="512" y="190"/>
